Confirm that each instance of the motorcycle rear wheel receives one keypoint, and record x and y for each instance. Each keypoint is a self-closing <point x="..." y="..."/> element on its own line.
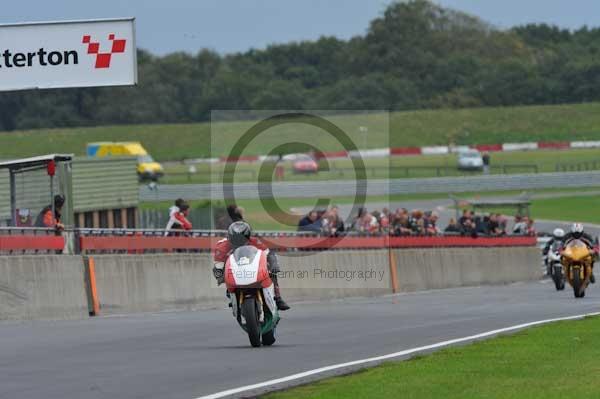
<point x="252" y="325"/>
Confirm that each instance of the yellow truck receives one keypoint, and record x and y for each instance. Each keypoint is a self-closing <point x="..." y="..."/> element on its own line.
<point x="147" y="168"/>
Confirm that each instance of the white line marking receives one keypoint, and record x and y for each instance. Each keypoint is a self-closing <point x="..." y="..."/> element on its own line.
<point x="443" y="344"/>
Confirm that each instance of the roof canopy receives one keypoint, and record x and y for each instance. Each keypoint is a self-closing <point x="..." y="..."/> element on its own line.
<point x="29" y="163"/>
<point x="521" y="203"/>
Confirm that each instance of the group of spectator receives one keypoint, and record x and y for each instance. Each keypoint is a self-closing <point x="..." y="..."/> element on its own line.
<point x="416" y="222"/>
<point x="403" y="222"/>
<point x="493" y="224"/>
<point x="329" y="222"/>
<point x="326" y="222"/>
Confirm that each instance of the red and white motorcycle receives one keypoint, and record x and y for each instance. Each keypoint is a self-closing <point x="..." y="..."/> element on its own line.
<point x="252" y="294"/>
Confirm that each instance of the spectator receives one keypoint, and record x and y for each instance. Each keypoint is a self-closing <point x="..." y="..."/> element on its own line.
<point x="356" y="220"/>
<point x="332" y="224"/>
<point x="453" y="227"/>
<point x="178" y="218"/>
<point x="467" y="223"/>
<point x="486" y="163"/>
<point x="401" y="226"/>
<point x="419" y="226"/>
<point x="384" y="221"/>
<point x="431" y="228"/>
<point x="340" y="227"/>
<point x="530" y="228"/>
<point x="310" y="222"/>
<point x="365" y="222"/>
<point x="53" y="221"/>
<point x="415" y="222"/>
<point x="481" y="224"/>
<point x="495" y="228"/>
<point x="521" y="224"/>
<point x="502" y="222"/>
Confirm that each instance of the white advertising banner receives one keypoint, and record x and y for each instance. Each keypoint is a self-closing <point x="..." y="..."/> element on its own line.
<point x="50" y="55"/>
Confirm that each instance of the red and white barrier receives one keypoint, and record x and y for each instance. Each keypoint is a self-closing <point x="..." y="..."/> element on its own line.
<point x="585" y="144"/>
<point x="427" y="150"/>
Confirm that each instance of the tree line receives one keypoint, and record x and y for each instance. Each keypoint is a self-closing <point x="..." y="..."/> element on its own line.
<point x="415" y="55"/>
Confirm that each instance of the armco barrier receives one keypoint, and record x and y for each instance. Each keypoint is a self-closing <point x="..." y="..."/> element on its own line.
<point x="42" y="287"/>
<point x="438" y="268"/>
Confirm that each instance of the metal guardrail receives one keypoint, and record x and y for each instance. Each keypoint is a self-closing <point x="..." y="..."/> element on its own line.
<point x="577" y="166"/>
<point x="373" y="187"/>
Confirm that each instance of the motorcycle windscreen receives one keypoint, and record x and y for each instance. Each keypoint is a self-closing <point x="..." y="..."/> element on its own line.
<point x="247" y="251"/>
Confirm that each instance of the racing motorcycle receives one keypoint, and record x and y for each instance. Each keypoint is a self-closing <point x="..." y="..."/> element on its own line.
<point x="577" y="260"/>
<point x="555" y="267"/>
<point x="252" y="294"/>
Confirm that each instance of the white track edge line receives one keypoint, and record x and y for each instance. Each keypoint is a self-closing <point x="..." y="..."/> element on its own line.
<point x="406" y="352"/>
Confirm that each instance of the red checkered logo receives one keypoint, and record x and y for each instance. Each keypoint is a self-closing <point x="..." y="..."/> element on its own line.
<point x="103" y="58"/>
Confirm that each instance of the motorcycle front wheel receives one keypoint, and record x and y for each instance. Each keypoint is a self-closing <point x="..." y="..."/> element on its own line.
<point x="577" y="283"/>
<point x="252" y="325"/>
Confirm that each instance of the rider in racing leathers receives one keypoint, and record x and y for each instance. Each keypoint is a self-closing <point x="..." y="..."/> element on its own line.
<point x="558" y="235"/>
<point x="239" y="234"/>
<point x="577" y="233"/>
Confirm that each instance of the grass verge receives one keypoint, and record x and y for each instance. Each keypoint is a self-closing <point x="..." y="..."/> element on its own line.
<point x="559" y="361"/>
<point x="570" y="209"/>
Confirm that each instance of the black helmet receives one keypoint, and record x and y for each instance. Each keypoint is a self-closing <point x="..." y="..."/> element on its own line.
<point x="59" y="201"/>
<point x="238" y="234"/>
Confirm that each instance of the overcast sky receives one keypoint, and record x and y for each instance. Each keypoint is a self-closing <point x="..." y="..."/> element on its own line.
<point x="237" y="25"/>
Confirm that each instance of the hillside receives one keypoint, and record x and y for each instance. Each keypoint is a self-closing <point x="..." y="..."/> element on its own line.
<point x="415" y="55"/>
<point x="414" y="128"/>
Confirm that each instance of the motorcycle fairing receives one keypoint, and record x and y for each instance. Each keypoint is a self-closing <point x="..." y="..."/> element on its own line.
<point x="246" y="267"/>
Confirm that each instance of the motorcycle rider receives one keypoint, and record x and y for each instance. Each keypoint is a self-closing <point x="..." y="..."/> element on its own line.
<point x="577" y="233"/>
<point x="558" y="235"/>
<point x="239" y="234"/>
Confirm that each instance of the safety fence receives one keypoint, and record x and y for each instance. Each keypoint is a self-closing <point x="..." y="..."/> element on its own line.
<point x="137" y="241"/>
<point x="30" y="241"/>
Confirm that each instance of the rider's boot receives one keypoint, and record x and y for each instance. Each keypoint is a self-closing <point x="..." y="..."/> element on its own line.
<point x="281" y="304"/>
<point x="593" y="278"/>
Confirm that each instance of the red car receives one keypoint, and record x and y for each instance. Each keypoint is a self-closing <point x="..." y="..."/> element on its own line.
<point x="305" y="164"/>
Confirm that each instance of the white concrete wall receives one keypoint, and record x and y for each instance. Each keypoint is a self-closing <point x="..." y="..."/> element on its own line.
<point x="42" y="287"/>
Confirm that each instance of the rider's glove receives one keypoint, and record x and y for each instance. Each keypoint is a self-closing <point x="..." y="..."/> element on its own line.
<point x="219" y="272"/>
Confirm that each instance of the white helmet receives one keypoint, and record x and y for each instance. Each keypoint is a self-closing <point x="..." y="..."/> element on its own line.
<point x="577" y="230"/>
<point x="558" y="234"/>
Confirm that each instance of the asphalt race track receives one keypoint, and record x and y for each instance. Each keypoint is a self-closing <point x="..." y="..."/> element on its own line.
<point x="189" y="354"/>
